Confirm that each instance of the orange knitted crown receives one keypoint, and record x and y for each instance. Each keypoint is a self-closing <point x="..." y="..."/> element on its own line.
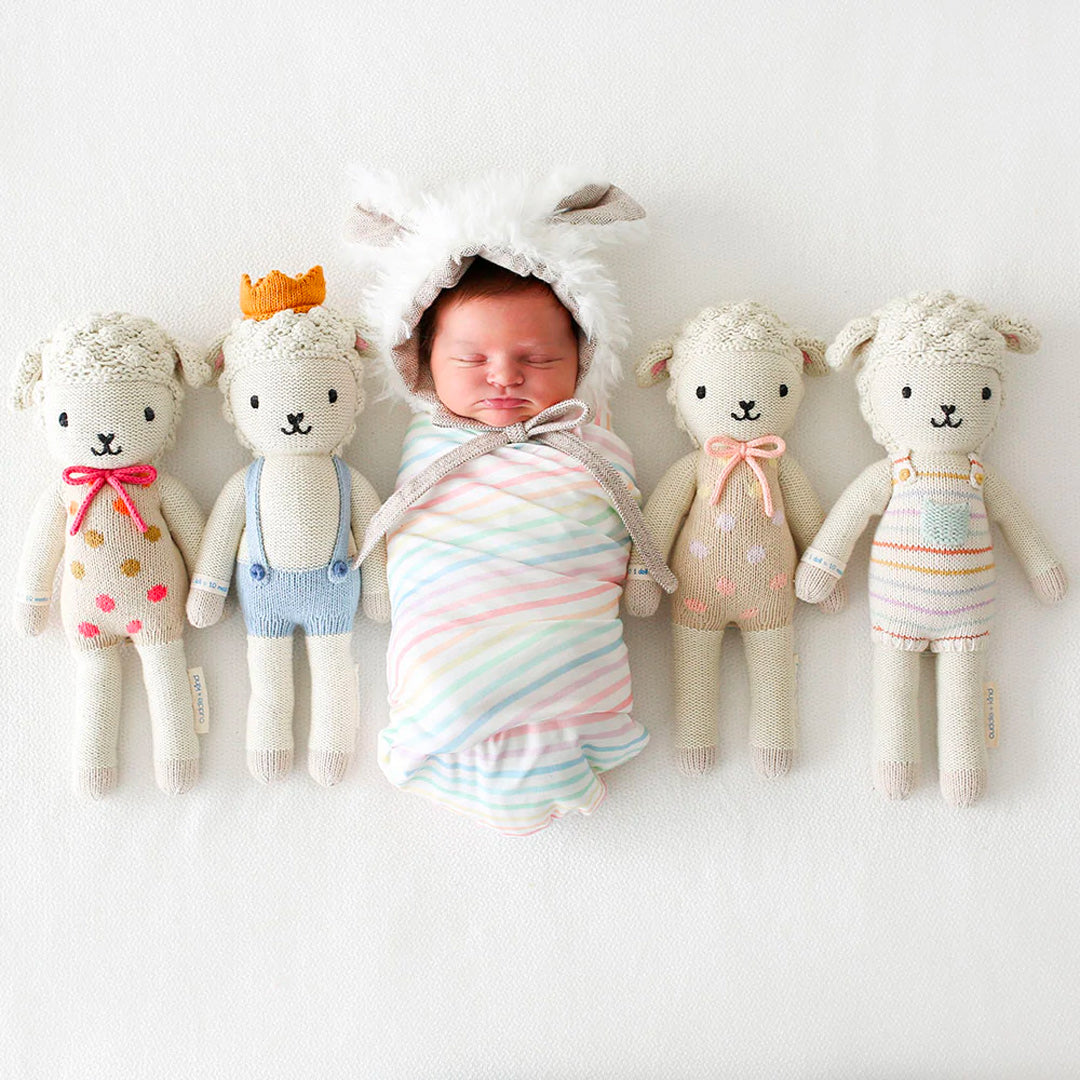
<point x="277" y="291"/>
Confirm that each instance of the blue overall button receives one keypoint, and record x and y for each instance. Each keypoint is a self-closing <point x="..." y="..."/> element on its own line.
<point x="258" y="571"/>
<point x="339" y="569"/>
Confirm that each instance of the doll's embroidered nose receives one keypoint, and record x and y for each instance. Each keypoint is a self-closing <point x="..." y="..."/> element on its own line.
<point x="106" y="446"/>
<point x="746" y="407"/>
<point x="294" y="425"/>
<point x="948" y="410"/>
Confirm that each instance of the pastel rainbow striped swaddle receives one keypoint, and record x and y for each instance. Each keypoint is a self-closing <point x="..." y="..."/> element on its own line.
<point x="509" y="683"/>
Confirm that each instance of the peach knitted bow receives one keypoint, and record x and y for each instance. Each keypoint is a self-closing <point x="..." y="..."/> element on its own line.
<point x="143" y="475"/>
<point x="720" y="446"/>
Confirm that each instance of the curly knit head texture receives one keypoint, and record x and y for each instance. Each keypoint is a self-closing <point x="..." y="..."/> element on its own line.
<point x="549" y="229"/>
<point x="928" y="331"/>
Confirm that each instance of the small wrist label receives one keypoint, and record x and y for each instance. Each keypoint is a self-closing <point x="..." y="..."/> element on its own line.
<point x="210" y="585"/>
<point x="824" y="562"/>
<point x="35" y="600"/>
<point x="637" y="571"/>
<point x="991" y="709"/>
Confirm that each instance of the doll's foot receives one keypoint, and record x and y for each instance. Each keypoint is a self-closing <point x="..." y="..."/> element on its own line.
<point x="268" y="766"/>
<point x="962" y="787"/>
<point x="328" y="767"/>
<point x="176" y="775"/>
<point x="96" y="781"/>
<point x="696" y="760"/>
<point x="770" y="762"/>
<point x="895" y="779"/>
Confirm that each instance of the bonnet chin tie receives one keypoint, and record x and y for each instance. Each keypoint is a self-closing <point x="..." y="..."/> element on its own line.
<point x="767" y="446"/>
<point x="551" y="427"/>
<point x="143" y="475"/>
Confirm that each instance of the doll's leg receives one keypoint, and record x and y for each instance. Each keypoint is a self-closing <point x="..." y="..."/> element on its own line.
<point x="770" y="660"/>
<point x="697" y="697"/>
<point x="895" y="711"/>
<point x="270" y="710"/>
<point x="172" y="719"/>
<point x="97" y="719"/>
<point x="961" y="743"/>
<point x="334" y="707"/>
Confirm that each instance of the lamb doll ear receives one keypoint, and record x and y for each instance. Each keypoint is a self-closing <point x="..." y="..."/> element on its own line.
<point x="27" y="376"/>
<point x="214" y="361"/>
<point x="653" y="366"/>
<point x="850" y="341"/>
<point x="364" y="338"/>
<point x="597" y="204"/>
<point x="192" y="363"/>
<point x="813" y="354"/>
<point x="1020" y="336"/>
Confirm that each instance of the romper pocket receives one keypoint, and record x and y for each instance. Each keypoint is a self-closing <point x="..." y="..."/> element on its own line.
<point x="945" y="525"/>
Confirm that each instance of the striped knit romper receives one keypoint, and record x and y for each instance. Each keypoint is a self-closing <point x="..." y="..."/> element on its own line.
<point x="932" y="562"/>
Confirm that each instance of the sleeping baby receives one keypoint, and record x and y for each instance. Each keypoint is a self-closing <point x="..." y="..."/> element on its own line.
<point x="510" y="528"/>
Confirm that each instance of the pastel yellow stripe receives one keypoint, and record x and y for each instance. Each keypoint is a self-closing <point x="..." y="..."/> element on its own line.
<point x="499" y="493"/>
<point x="939" y="475"/>
<point x="931" y="570"/>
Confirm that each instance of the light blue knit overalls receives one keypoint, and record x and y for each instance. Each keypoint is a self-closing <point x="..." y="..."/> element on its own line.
<point x="321" y="601"/>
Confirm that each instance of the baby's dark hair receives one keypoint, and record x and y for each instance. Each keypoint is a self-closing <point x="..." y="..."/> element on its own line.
<point x="482" y="279"/>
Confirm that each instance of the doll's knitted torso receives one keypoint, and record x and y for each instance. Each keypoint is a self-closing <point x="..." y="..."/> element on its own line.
<point x="734" y="563"/>
<point x="117" y="581"/>
<point x="932" y="561"/>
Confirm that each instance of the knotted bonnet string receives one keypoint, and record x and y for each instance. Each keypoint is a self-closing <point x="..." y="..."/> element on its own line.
<point x="551" y="427"/>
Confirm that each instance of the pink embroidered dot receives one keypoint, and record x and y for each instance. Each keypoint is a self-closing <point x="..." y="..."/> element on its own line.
<point x="156" y="593"/>
<point x="695" y="605"/>
<point x="725" y="522"/>
<point x="88" y="630"/>
<point x="778" y="582"/>
<point x="725" y="586"/>
<point x="778" y="517"/>
<point x="134" y="626"/>
<point x="755" y="554"/>
<point x="698" y="549"/>
<point x="749" y="613"/>
<point x="106" y="603"/>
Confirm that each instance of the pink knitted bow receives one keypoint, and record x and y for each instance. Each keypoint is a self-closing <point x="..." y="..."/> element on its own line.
<point x="719" y="446"/>
<point x="143" y="475"/>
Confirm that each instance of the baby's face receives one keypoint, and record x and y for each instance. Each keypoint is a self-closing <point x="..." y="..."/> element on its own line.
<point x="503" y="359"/>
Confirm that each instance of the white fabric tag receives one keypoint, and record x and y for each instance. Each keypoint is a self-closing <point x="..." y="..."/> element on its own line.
<point x="991" y="707"/>
<point x="200" y="703"/>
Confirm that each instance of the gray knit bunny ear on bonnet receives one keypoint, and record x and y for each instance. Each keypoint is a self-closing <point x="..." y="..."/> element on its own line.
<point x="422" y="244"/>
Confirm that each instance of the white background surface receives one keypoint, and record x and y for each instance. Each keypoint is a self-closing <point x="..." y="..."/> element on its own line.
<point x="821" y="158"/>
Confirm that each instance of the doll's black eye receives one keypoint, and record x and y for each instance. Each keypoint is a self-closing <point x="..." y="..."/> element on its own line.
<point x="906" y="392"/>
<point x="333" y="395"/>
<point x="148" y="413"/>
<point x="63" y="419"/>
<point x="783" y="389"/>
<point x="986" y="393"/>
<point x="254" y="401"/>
<point x="701" y="391"/>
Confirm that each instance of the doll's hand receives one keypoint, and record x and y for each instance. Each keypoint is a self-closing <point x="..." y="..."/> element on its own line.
<point x="836" y="600"/>
<point x="642" y="596"/>
<point x="204" y="608"/>
<point x="30" y="619"/>
<point x="813" y="585"/>
<point x="1051" y="585"/>
<point x="377" y="606"/>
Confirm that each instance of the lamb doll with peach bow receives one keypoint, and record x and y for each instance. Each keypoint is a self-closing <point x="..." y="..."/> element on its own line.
<point x="291" y="374"/>
<point x="108" y="389"/>
<point x="735" y="510"/>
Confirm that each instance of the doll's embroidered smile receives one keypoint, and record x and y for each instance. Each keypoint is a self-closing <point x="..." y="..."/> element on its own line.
<point x="948" y="410"/>
<point x="746" y="406"/>
<point x="294" y="419"/>
<point x="106" y="446"/>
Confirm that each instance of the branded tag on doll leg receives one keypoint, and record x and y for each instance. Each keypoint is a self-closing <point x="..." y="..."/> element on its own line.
<point x="200" y="703"/>
<point x="991" y="713"/>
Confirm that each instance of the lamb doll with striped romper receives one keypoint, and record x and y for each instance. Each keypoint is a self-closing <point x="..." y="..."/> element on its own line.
<point x="508" y="677"/>
<point x="930" y="386"/>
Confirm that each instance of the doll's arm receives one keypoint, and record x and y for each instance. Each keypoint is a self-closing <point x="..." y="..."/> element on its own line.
<point x="184" y="517"/>
<point x="217" y="555"/>
<point x="664" y="515"/>
<point x="824" y="561"/>
<point x="41" y="553"/>
<point x="1042" y="566"/>
<point x="804" y="518"/>
<point x="375" y="594"/>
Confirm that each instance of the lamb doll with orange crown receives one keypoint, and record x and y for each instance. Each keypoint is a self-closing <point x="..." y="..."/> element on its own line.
<point x="291" y="374"/>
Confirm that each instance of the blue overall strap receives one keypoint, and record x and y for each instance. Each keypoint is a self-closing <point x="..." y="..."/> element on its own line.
<point x="256" y="553"/>
<point x="338" y="569"/>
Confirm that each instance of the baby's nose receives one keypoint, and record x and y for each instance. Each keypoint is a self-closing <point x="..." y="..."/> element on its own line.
<point x="505" y="373"/>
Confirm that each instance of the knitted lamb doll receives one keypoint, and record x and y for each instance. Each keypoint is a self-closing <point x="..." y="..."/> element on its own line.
<point x="930" y="387"/>
<point x="736" y="509"/>
<point x="108" y="390"/>
<point x="508" y="676"/>
<point x="291" y="376"/>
